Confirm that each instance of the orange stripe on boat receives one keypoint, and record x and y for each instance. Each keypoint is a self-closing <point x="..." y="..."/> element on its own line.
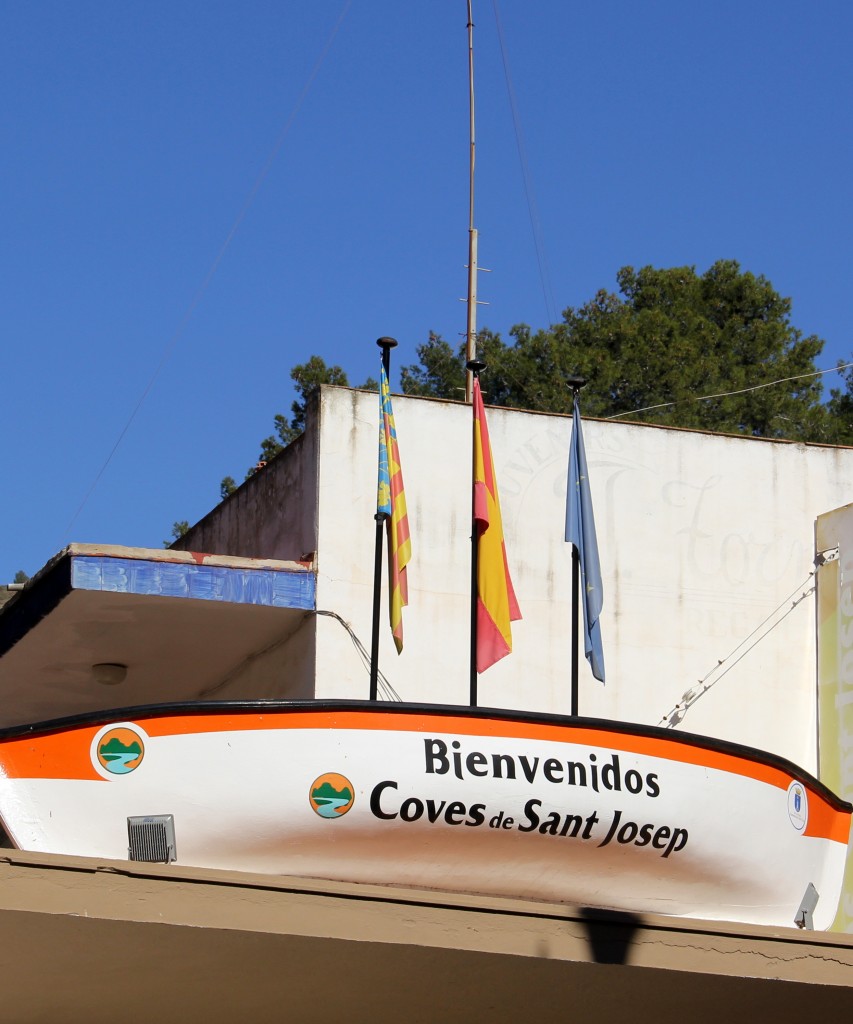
<point x="56" y="755"/>
<point x="66" y="755"/>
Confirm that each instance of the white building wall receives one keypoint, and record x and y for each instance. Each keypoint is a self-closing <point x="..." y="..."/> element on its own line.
<point x="701" y="538"/>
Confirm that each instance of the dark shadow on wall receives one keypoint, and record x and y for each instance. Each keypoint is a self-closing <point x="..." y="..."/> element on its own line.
<point x="610" y="934"/>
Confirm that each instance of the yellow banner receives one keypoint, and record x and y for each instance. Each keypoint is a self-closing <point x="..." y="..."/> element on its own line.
<point x="834" y="532"/>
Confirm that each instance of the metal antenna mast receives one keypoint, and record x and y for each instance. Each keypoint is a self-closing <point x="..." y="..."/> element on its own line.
<point x="471" y="335"/>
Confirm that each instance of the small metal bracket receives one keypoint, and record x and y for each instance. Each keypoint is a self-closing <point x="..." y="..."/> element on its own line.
<point x="830" y="555"/>
<point x="803" y="918"/>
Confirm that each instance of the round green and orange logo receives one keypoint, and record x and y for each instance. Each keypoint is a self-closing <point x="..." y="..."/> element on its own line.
<point x="331" y="795"/>
<point x="119" y="750"/>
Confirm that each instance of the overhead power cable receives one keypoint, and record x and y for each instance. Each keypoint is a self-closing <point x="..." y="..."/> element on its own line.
<point x="386" y="690"/>
<point x="728" y="394"/>
<point x="196" y="299"/>
<point x="676" y="715"/>
<point x="535" y="224"/>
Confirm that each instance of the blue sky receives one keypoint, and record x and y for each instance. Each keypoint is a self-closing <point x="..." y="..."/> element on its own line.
<point x="136" y="136"/>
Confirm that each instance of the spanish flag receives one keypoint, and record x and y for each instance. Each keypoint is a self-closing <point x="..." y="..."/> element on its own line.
<point x="391" y="502"/>
<point x="496" y="603"/>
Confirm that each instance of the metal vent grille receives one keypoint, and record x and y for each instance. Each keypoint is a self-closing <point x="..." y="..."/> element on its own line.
<point x="151" y="838"/>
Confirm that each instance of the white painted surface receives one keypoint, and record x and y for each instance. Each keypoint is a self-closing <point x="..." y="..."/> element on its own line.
<point x="538" y="811"/>
<point x="701" y="538"/>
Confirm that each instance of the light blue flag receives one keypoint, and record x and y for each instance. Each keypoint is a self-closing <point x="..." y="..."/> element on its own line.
<point x="580" y="531"/>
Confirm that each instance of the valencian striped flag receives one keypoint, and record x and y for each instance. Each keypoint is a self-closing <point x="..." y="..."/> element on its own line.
<point x="391" y="502"/>
<point x="496" y="603"/>
<point x="580" y="531"/>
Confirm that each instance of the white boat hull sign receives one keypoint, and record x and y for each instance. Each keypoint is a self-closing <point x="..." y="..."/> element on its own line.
<point x="534" y="807"/>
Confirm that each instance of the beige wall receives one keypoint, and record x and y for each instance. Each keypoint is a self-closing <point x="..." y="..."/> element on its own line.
<point x="83" y="940"/>
<point x="834" y="537"/>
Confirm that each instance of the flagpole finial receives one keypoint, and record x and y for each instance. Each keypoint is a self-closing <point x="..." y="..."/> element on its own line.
<point x="475" y="366"/>
<point x="386" y="343"/>
<point x="575" y="383"/>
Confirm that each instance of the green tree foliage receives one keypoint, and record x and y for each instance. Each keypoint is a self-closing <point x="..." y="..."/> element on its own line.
<point x="307" y="377"/>
<point x="178" y="530"/>
<point x="670" y="336"/>
<point x="840" y="407"/>
<point x="441" y="373"/>
<point x="20" y="577"/>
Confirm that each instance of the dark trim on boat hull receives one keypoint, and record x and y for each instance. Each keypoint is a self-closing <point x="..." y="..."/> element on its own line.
<point x="142" y="712"/>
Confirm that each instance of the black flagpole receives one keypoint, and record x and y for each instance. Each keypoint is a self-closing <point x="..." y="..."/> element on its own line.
<point x="576" y="572"/>
<point x="475" y="367"/>
<point x="385" y="344"/>
<point x="575" y="383"/>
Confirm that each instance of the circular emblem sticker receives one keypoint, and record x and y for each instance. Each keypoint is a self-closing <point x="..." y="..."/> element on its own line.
<point x="331" y="795"/>
<point x="118" y="749"/>
<point x="798" y="805"/>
